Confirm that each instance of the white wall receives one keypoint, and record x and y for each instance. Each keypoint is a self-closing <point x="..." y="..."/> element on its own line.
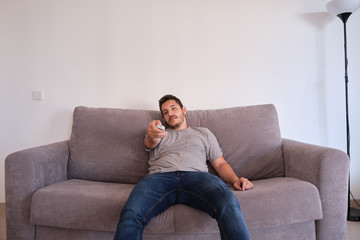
<point x="211" y="53"/>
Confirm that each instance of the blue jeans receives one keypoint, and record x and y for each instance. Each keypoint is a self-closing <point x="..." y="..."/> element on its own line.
<point x="200" y="190"/>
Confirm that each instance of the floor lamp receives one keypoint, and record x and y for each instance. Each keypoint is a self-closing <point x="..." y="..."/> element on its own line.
<point x="343" y="9"/>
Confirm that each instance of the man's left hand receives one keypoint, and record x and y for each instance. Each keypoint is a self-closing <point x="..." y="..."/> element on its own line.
<point x="243" y="184"/>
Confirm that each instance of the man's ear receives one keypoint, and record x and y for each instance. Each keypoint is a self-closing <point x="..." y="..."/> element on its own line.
<point x="184" y="110"/>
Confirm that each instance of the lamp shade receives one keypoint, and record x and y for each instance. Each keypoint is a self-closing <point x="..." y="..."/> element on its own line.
<point x="337" y="7"/>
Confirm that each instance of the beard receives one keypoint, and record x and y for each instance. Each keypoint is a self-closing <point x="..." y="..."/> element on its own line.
<point x="178" y="123"/>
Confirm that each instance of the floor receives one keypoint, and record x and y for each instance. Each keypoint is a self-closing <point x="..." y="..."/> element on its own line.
<point x="353" y="228"/>
<point x="2" y="222"/>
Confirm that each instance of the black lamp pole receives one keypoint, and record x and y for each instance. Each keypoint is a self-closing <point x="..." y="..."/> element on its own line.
<point x="353" y="214"/>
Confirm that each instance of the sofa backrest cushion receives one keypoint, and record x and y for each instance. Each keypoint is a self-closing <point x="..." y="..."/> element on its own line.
<point x="249" y="136"/>
<point x="108" y="144"/>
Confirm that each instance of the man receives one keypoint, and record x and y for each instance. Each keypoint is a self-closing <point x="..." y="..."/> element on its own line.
<point x="178" y="174"/>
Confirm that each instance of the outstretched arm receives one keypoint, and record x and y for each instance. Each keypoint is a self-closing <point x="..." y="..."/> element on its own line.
<point x="227" y="174"/>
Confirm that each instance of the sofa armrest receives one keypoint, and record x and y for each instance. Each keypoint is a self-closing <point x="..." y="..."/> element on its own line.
<point x="328" y="170"/>
<point x="25" y="172"/>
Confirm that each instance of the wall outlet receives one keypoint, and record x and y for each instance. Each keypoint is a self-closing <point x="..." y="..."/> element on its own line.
<point x="37" y="95"/>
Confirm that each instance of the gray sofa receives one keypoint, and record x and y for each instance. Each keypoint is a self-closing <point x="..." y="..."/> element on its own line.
<point x="76" y="189"/>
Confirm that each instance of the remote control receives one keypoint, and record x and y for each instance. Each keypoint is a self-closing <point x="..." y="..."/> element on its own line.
<point x="161" y="127"/>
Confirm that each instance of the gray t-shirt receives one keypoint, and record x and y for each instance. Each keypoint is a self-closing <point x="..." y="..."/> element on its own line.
<point x="184" y="150"/>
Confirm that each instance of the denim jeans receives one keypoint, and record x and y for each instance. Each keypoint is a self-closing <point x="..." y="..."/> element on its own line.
<point x="200" y="190"/>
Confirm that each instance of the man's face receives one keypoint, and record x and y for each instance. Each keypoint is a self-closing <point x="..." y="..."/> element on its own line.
<point x="174" y="115"/>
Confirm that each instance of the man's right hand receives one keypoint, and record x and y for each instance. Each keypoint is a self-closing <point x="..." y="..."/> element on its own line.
<point x="154" y="134"/>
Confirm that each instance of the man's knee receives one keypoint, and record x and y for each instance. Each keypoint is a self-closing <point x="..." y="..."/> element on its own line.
<point x="129" y="217"/>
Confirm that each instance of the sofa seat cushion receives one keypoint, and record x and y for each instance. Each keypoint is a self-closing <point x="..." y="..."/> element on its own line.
<point x="90" y="205"/>
<point x="280" y="201"/>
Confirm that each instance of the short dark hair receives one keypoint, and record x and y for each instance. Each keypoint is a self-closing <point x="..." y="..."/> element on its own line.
<point x="167" y="98"/>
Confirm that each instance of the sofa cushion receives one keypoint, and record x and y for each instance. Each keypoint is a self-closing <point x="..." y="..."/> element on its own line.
<point x="249" y="136"/>
<point x="108" y="144"/>
<point x="81" y="204"/>
<point x="87" y="205"/>
<point x="280" y="201"/>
